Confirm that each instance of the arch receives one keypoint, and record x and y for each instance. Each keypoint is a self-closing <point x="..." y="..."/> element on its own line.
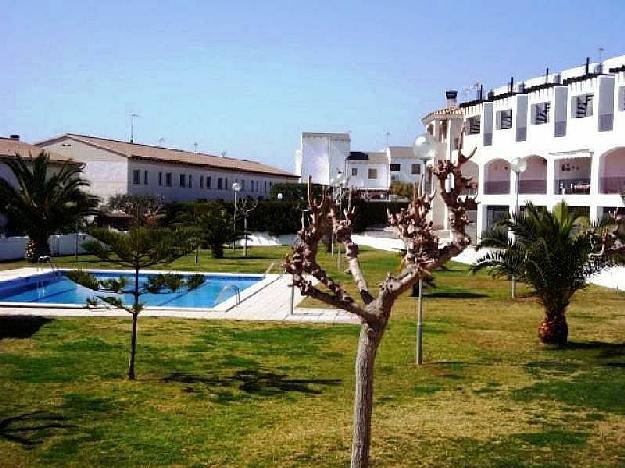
<point x="534" y="179"/>
<point x="612" y="171"/>
<point x="497" y="177"/>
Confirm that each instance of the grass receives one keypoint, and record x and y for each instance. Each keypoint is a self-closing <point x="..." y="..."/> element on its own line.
<point x="263" y="394"/>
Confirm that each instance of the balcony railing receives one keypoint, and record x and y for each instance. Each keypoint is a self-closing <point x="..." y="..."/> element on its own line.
<point x="532" y="186"/>
<point x="572" y="186"/>
<point x="612" y="184"/>
<point x="498" y="187"/>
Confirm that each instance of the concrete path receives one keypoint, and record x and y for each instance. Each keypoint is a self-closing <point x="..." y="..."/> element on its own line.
<point x="271" y="302"/>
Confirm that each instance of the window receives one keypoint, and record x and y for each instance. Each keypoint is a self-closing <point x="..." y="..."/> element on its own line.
<point x="354" y="171"/>
<point x="160" y="179"/>
<point x="372" y="173"/>
<point x="473" y="125"/>
<point x="242" y="185"/>
<point x="581" y="106"/>
<point x="190" y="181"/>
<point x="208" y="182"/>
<point x="220" y="183"/>
<point x="504" y="119"/>
<point x="621" y="99"/>
<point x="145" y="177"/>
<point x="136" y="177"/>
<point x="201" y="181"/>
<point x="395" y="167"/>
<point x="415" y="169"/>
<point x="168" y="179"/>
<point x="540" y="113"/>
<point x="226" y="186"/>
<point x="183" y="180"/>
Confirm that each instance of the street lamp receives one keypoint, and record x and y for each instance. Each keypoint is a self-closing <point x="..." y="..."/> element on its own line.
<point x="517" y="165"/>
<point x="425" y="147"/>
<point x="236" y="188"/>
<point x="280" y="196"/>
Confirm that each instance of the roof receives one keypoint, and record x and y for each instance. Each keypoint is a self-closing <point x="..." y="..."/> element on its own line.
<point x="402" y="152"/>
<point x="444" y="113"/>
<point x="340" y="136"/>
<point x="9" y="147"/>
<point x="357" y="156"/>
<point x="174" y="155"/>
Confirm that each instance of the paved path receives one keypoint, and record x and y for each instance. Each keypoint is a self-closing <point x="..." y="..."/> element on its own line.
<point x="271" y="303"/>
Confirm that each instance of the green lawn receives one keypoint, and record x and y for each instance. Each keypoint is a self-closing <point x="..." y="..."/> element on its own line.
<point x="262" y="394"/>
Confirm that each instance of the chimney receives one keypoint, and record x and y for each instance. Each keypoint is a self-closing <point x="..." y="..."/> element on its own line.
<point x="451" y="96"/>
<point x="15" y="137"/>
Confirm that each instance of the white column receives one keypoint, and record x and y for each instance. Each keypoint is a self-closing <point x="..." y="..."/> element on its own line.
<point x="551" y="175"/>
<point x="596" y="211"/>
<point x="513" y="192"/>
<point x="481" y="220"/>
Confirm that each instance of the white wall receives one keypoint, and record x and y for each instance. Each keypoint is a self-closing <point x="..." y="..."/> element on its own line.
<point x="253" y="185"/>
<point x="323" y="155"/>
<point x="107" y="172"/>
<point x="12" y="248"/>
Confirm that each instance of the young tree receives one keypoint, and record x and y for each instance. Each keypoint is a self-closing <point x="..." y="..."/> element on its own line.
<point x="45" y="200"/>
<point x="553" y="252"/>
<point x="139" y="248"/>
<point x="423" y="255"/>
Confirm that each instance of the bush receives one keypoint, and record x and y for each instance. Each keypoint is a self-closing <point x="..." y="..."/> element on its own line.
<point x="293" y="192"/>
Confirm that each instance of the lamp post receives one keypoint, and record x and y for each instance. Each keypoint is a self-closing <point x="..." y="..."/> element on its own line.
<point x="236" y="188"/>
<point x="517" y="165"/>
<point x="246" y="206"/>
<point x="424" y="147"/>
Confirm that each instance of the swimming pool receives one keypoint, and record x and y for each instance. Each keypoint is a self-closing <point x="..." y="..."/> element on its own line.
<point x="54" y="288"/>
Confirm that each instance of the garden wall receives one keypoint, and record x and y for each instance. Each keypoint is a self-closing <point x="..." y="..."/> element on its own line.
<point x="12" y="248"/>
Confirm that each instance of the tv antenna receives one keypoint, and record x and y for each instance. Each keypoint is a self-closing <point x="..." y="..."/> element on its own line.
<point x="223" y="153"/>
<point x="133" y="116"/>
<point x="195" y="147"/>
<point x="388" y="134"/>
<point x="600" y="51"/>
<point x="161" y="142"/>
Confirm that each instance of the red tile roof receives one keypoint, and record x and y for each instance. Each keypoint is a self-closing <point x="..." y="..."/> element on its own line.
<point x="9" y="147"/>
<point x="175" y="156"/>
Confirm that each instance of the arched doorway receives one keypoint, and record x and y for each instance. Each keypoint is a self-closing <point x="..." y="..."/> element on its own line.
<point x="534" y="179"/>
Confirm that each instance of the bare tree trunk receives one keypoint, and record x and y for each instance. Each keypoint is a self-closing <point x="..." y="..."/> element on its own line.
<point x="133" y="348"/>
<point x="370" y="337"/>
<point x="133" y="339"/>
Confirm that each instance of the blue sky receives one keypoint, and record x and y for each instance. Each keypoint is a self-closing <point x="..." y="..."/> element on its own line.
<point x="248" y="77"/>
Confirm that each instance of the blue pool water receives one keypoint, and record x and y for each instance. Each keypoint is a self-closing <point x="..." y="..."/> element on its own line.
<point x="56" y="288"/>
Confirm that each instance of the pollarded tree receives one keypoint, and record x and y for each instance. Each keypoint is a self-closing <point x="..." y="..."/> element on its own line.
<point x="45" y="200"/>
<point x="139" y="248"/>
<point x="424" y="254"/>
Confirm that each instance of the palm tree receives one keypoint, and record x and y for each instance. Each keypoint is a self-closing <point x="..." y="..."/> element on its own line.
<point x="552" y="252"/>
<point x="44" y="200"/>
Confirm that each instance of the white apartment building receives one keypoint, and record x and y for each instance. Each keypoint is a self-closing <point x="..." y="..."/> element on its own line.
<point x="117" y="167"/>
<point x="325" y="156"/>
<point x="569" y="127"/>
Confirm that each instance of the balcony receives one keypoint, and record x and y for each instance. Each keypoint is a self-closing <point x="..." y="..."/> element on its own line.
<point x="612" y="172"/>
<point x="534" y="179"/>
<point x="497" y="177"/>
<point x="572" y="176"/>
<point x="573" y="186"/>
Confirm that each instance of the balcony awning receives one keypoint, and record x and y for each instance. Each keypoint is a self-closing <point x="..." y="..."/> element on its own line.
<point x="584" y="153"/>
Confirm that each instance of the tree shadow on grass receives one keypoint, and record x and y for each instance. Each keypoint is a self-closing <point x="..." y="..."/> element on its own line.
<point x="455" y="295"/>
<point x="30" y="429"/>
<point x="252" y="382"/>
<point x="14" y="326"/>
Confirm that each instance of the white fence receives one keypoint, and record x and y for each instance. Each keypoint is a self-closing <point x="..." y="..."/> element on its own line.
<point x="12" y="248"/>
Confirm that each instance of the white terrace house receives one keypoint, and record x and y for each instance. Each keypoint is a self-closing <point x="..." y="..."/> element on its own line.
<point x="325" y="156"/>
<point x="569" y="127"/>
<point x="118" y="167"/>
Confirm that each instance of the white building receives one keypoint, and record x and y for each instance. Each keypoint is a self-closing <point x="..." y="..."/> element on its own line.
<point x="324" y="156"/>
<point x="117" y="167"/>
<point x="569" y="127"/>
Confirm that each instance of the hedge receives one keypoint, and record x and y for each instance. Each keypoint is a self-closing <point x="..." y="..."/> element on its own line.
<point x="284" y="216"/>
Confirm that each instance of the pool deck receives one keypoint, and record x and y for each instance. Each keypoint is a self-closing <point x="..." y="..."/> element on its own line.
<point x="270" y="303"/>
